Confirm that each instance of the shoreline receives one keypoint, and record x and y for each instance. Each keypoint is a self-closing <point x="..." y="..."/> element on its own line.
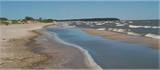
<point x="42" y="50"/>
<point x="154" y="43"/>
<point x="39" y="49"/>
<point x="89" y="60"/>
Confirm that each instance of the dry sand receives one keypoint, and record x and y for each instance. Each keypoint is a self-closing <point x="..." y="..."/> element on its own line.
<point x="124" y="37"/>
<point x="13" y="50"/>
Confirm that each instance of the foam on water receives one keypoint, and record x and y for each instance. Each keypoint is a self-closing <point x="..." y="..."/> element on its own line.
<point x="88" y="57"/>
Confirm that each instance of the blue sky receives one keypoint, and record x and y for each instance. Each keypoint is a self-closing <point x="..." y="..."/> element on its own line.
<point x="80" y="9"/>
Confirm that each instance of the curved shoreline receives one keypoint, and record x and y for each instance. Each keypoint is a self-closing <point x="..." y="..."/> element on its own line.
<point x="37" y="49"/>
<point x="88" y="58"/>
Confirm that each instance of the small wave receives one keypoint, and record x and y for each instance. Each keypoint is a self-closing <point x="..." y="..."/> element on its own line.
<point x="89" y="58"/>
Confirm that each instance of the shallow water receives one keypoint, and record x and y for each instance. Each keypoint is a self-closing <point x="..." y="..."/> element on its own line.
<point x="110" y="53"/>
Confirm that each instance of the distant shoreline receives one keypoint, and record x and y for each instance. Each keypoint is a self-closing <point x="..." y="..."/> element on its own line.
<point x="124" y="37"/>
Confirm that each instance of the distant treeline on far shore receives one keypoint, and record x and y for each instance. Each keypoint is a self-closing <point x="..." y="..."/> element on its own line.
<point x="92" y="19"/>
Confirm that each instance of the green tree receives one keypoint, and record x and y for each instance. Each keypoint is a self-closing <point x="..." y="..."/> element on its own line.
<point x="47" y="20"/>
<point x="28" y="18"/>
<point x="39" y="19"/>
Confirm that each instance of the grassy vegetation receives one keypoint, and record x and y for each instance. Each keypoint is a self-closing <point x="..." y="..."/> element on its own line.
<point x="5" y="21"/>
<point x="15" y="22"/>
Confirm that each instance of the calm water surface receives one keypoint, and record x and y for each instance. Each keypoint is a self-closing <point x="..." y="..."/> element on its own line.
<point x="110" y="53"/>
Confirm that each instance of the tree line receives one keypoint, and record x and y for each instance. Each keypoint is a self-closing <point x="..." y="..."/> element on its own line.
<point x="92" y="19"/>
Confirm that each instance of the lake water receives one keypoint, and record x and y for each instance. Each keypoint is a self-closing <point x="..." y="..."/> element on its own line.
<point x="110" y="53"/>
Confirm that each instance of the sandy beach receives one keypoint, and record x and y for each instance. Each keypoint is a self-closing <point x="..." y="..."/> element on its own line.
<point x="13" y="50"/>
<point x="124" y="37"/>
<point x="23" y="48"/>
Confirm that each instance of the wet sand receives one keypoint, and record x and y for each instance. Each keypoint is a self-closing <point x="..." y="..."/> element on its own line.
<point x="61" y="56"/>
<point x="87" y="58"/>
<point x="124" y="37"/>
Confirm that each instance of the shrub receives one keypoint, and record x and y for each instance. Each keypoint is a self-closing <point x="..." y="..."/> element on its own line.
<point x="3" y="19"/>
<point x="28" y="18"/>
